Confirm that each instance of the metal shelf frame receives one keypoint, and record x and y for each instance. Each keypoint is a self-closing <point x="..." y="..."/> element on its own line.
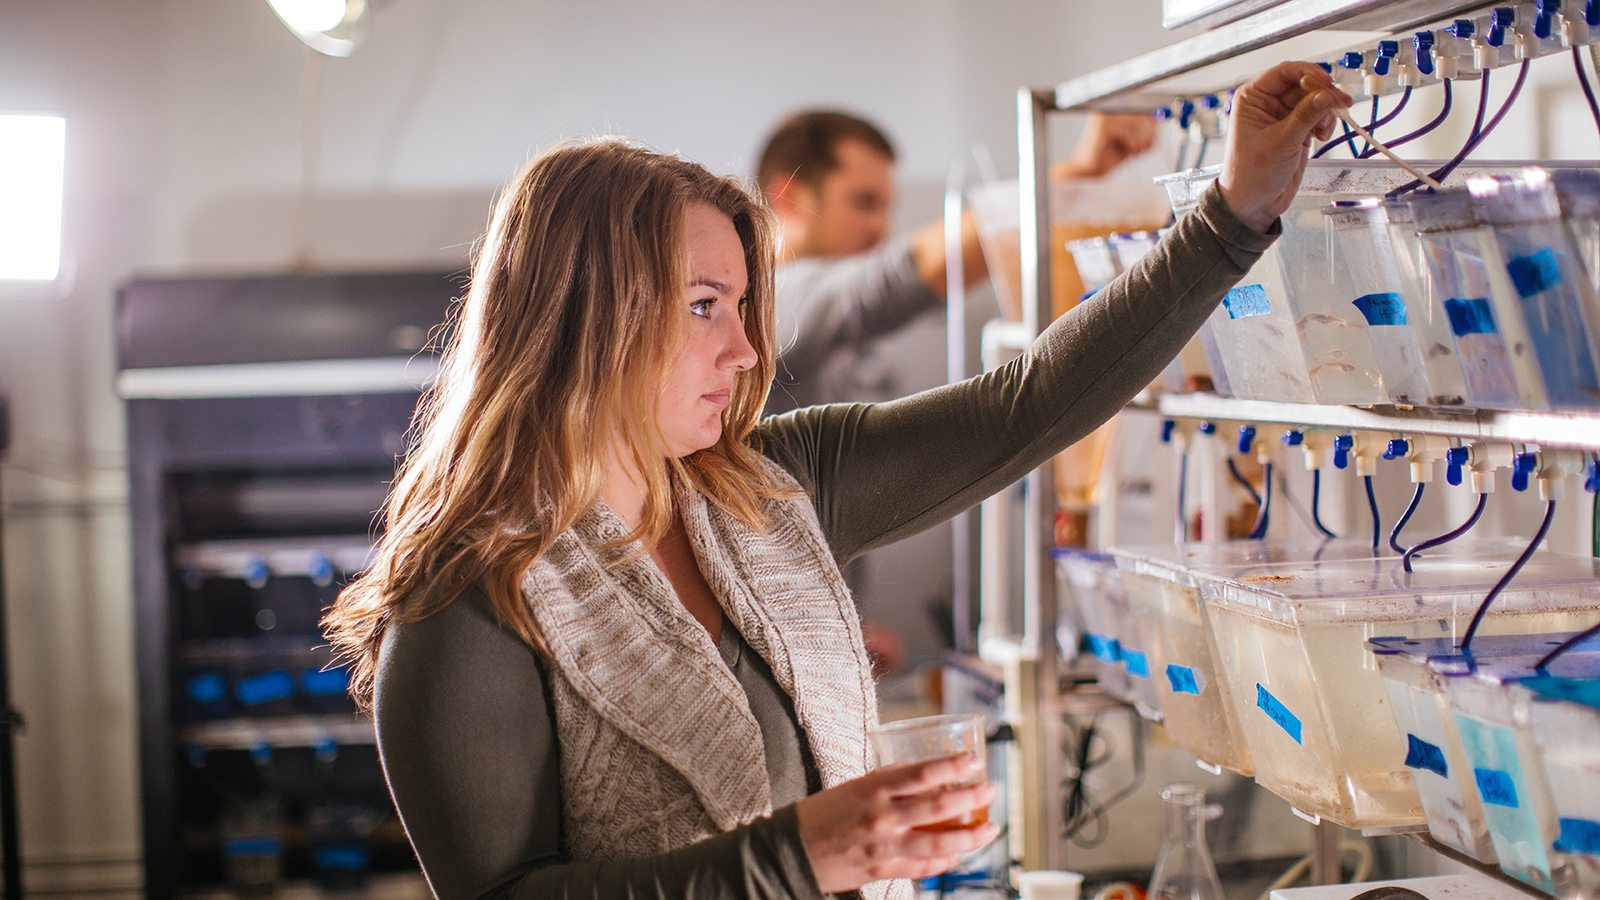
<point x="1123" y="87"/>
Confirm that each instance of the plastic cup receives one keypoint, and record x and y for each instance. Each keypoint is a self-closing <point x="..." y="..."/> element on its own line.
<point x="935" y="737"/>
<point x="1049" y="884"/>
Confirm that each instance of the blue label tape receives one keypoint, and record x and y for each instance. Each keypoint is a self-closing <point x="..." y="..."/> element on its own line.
<point x="1184" y="680"/>
<point x="1106" y="648"/>
<point x="1535" y="273"/>
<point x="1134" y="662"/>
<point x="1279" y="713"/>
<point x="1579" y="836"/>
<point x="264" y="688"/>
<point x="1469" y="316"/>
<point x="341" y="857"/>
<point x="1495" y="786"/>
<point x="207" y="688"/>
<point x="1245" y="301"/>
<point x="1382" y="309"/>
<point x="1423" y="755"/>
<point x="253" y="845"/>
<point x="325" y="682"/>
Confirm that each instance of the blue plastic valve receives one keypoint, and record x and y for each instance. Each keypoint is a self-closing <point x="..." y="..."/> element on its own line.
<point x="1591" y="477"/>
<point x="1397" y="448"/>
<point x="1544" y="14"/>
<point x="1501" y="19"/>
<point x="1207" y="428"/>
<point x="261" y="753"/>
<point x="1462" y="28"/>
<point x="321" y="570"/>
<point x="1387" y="51"/>
<point x="1185" y="113"/>
<point x="326" y="749"/>
<point x="1293" y="438"/>
<point x="1326" y="67"/>
<point x="1210" y="101"/>
<point x="1523" y="466"/>
<point x="1591" y="13"/>
<point x="1247" y="436"/>
<point x="1341" y="450"/>
<point x="1454" y="458"/>
<point x="256" y="572"/>
<point x="1163" y="112"/>
<point x="1422" y="42"/>
<point x="1351" y="60"/>
<point x="1167" y="427"/>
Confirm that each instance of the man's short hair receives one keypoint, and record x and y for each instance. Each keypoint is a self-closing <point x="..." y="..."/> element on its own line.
<point x="804" y="147"/>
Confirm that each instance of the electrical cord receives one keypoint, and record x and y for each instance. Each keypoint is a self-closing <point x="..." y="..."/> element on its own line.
<point x="1350" y="135"/>
<point x="1566" y="645"/>
<point x="1472" y="137"/>
<point x="1588" y="92"/>
<point x="1500" y="586"/>
<point x="1377" y="522"/>
<point x="1293" y="873"/>
<point x="1479" y="134"/>
<point x="1079" y="810"/>
<point x="1394" y="533"/>
<point x="1447" y="537"/>
<point x="1316" y="495"/>
<point x="1405" y="98"/>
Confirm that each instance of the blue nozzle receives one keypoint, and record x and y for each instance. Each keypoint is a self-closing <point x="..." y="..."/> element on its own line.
<point x="1167" y="427"/>
<point x="1591" y="477"/>
<point x="261" y="753"/>
<point x="1454" y="459"/>
<point x="1397" y="448"/>
<point x="1351" y="60"/>
<point x="1341" y="450"/>
<point x="1462" y="28"/>
<point x="1207" y="428"/>
<point x="1163" y="112"/>
<point x="1210" y="101"/>
<point x="1544" y="14"/>
<point x="1422" y="42"/>
<point x="256" y="572"/>
<point x="1591" y="13"/>
<point x="1185" y="113"/>
<point x="1328" y="67"/>
<point x="1500" y="19"/>
<point x="1521" y="468"/>
<point x="1247" y="436"/>
<point x="1387" y="52"/>
<point x="326" y="749"/>
<point x="321" y="570"/>
<point x="1293" y="438"/>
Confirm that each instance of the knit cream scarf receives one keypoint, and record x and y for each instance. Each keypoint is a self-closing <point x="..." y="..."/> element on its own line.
<point x="659" y="748"/>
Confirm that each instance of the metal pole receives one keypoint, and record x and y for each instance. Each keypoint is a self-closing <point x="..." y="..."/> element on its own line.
<point x="1039" y="575"/>
<point x="10" y="721"/>
<point x="955" y="330"/>
<point x="1325" y="865"/>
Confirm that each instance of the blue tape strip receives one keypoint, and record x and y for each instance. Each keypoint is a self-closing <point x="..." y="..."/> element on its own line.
<point x="207" y="687"/>
<point x="1106" y="648"/>
<point x="1279" y="713"/>
<point x="1495" y="786"/>
<point x="1535" y="273"/>
<point x="1135" y="663"/>
<point x="325" y="682"/>
<point x="264" y="688"/>
<point x="341" y="857"/>
<point x="1469" y="316"/>
<point x="1183" y="679"/>
<point x="1382" y="309"/>
<point x="1579" y="836"/>
<point x="252" y="846"/>
<point x="1422" y="755"/>
<point x="1245" y="301"/>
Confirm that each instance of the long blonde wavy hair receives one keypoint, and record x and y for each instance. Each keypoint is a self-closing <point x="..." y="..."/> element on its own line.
<point x="573" y="318"/>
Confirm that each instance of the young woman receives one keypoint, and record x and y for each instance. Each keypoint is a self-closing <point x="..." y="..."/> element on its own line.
<point x="605" y="637"/>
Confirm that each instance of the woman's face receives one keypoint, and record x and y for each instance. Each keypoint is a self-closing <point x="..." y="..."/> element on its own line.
<point x="700" y="383"/>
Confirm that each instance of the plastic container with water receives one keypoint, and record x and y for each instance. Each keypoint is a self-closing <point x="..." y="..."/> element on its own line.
<point x="1566" y="726"/>
<point x="1578" y="192"/>
<point x="1308" y="696"/>
<point x="1442" y="365"/>
<point x="1095" y="261"/>
<point x="1540" y="289"/>
<point x="1093" y="580"/>
<point x="1392" y="312"/>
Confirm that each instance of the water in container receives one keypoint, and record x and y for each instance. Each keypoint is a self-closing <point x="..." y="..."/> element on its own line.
<point x="1578" y="191"/>
<point x="1096" y="262"/>
<point x="1341" y="362"/>
<point x="1566" y="725"/>
<point x="1425" y="314"/>
<point x="1458" y="271"/>
<point x="1362" y="229"/>
<point x="1091" y="579"/>
<point x="1309" y="698"/>
<point x="1542" y="287"/>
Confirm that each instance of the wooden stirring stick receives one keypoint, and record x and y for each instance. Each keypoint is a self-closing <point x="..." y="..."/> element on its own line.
<point x="1308" y="85"/>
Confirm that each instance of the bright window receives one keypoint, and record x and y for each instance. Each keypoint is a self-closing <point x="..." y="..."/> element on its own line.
<point x="32" y="159"/>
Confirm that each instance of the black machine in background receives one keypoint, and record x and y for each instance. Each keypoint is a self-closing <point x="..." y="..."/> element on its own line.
<point x="266" y="417"/>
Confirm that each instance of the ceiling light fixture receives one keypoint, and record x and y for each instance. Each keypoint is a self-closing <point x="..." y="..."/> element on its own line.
<point x="330" y="27"/>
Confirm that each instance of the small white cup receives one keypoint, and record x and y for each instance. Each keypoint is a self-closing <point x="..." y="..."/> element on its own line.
<point x="1047" y="884"/>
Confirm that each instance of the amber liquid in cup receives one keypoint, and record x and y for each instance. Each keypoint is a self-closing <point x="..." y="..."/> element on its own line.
<point x="935" y="737"/>
<point x="970" y="819"/>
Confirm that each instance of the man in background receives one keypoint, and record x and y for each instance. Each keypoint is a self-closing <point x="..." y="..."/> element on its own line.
<point x="829" y="177"/>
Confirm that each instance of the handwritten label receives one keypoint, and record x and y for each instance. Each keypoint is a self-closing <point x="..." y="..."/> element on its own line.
<point x="1495" y="787"/>
<point x="1279" y="713"/>
<point x="1469" y="316"/>
<point x="325" y="682"/>
<point x="1245" y="301"/>
<point x="1185" y="680"/>
<point x="1382" y="309"/>
<point x="264" y="688"/>
<point x="1135" y="663"/>
<point x="1579" y="836"/>
<point x="1535" y="273"/>
<point x="1105" y="648"/>
<point x="1423" y="755"/>
<point x="207" y="688"/>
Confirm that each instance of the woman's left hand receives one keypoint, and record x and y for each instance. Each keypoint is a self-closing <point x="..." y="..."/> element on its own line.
<point x="1274" y="118"/>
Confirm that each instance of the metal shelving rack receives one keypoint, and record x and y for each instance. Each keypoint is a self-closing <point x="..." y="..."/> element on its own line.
<point x="1135" y="86"/>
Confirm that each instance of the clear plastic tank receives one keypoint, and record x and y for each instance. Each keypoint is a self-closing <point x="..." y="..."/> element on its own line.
<point x="1092" y="578"/>
<point x="1308" y="695"/>
<point x="1425" y="313"/>
<point x="1579" y="194"/>
<point x="1566" y="725"/>
<point x="1333" y="332"/>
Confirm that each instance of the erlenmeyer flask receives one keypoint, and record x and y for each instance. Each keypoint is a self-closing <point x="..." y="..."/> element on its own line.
<point x="1184" y="870"/>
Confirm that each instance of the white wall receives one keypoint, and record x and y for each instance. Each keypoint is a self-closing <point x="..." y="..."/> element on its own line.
<point x="183" y="156"/>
